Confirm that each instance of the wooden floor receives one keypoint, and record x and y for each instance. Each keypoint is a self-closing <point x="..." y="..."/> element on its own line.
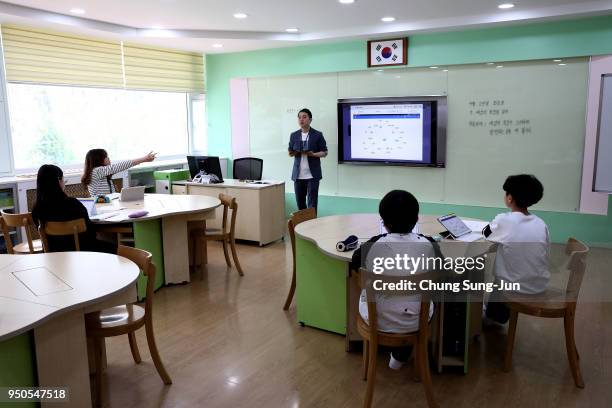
<point x="226" y="342"/>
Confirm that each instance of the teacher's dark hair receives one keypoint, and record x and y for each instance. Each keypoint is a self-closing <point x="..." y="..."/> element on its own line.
<point x="49" y="192"/>
<point x="399" y="211"/>
<point x="306" y="111"/>
<point x="94" y="158"/>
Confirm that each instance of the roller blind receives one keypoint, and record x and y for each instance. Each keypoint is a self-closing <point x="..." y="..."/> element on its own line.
<point x="163" y="69"/>
<point x="47" y="57"/>
<point x="40" y="56"/>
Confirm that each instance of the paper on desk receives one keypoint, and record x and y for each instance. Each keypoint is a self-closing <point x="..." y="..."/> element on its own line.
<point x="476" y="226"/>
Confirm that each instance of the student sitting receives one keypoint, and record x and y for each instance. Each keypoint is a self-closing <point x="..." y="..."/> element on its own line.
<point x="399" y="211"/>
<point x="522" y="253"/>
<point x="52" y="204"/>
<point x="99" y="170"/>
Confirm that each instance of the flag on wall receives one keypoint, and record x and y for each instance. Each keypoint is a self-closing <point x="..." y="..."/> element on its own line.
<point x="387" y="52"/>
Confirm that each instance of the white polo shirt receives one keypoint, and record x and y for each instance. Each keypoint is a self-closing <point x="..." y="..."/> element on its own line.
<point x="522" y="256"/>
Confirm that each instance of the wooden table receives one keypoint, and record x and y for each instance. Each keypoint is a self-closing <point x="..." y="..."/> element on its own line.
<point x="325" y="296"/>
<point x="261" y="207"/>
<point x="163" y="231"/>
<point x="45" y="297"/>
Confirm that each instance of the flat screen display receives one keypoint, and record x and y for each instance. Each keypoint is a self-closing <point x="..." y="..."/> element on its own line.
<point x="389" y="132"/>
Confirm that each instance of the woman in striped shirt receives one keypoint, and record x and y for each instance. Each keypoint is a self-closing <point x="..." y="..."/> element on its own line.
<point x="99" y="170"/>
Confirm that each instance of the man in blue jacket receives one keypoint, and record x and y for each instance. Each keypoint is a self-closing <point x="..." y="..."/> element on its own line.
<point x="307" y="146"/>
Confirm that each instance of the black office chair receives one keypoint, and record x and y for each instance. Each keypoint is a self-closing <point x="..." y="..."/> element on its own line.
<point x="248" y="168"/>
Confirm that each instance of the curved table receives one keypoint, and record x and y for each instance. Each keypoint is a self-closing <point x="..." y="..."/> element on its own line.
<point x="49" y="295"/>
<point x="325" y="296"/>
<point x="163" y="231"/>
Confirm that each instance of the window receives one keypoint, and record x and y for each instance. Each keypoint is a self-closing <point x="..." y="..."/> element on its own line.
<point x="59" y="124"/>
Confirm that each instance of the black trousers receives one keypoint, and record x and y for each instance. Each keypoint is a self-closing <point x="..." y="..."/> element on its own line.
<point x="306" y="189"/>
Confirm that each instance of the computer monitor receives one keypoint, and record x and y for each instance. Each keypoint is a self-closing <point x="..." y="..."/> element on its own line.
<point x="210" y="164"/>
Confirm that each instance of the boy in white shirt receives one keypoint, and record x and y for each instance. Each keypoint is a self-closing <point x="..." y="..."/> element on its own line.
<point x="522" y="253"/>
<point x="399" y="211"/>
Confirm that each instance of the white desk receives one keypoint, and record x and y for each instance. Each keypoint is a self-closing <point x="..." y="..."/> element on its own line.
<point x="50" y="294"/>
<point x="175" y="212"/>
<point x="325" y="296"/>
<point x="261" y="207"/>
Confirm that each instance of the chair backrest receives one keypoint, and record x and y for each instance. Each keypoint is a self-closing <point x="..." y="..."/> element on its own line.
<point x="365" y="279"/>
<point x="577" y="252"/>
<point x="8" y="243"/>
<point x="299" y="217"/>
<point x="229" y="203"/>
<point x="18" y="221"/>
<point x="62" y="228"/>
<point x="144" y="260"/>
<point x="248" y="168"/>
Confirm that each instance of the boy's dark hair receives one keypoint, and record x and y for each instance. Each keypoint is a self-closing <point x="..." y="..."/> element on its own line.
<point x="399" y="211"/>
<point x="525" y="189"/>
<point x="306" y="111"/>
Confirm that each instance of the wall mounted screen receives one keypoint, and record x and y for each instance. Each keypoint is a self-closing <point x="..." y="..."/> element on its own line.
<point x="397" y="131"/>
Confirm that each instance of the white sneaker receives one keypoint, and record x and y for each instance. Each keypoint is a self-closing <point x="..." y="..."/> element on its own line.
<point x="394" y="364"/>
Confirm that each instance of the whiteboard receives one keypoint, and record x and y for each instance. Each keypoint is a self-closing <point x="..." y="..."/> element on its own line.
<point x="602" y="179"/>
<point x="526" y="117"/>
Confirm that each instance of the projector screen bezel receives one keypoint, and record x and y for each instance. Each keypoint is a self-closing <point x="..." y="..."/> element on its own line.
<point x="438" y="152"/>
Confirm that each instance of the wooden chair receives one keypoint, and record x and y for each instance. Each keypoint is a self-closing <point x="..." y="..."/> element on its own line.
<point x="32" y="246"/>
<point x="225" y="235"/>
<point x="126" y="319"/>
<point x="553" y="304"/>
<point x="372" y="337"/>
<point x="62" y="228"/>
<point x="296" y="218"/>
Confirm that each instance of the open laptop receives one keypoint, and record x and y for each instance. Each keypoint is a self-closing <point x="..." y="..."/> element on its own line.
<point x="458" y="229"/>
<point x="90" y="205"/>
<point x="132" y="193"/>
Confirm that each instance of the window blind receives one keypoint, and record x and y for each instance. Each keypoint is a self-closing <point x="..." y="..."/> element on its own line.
<point x="163" y="69"/>
<point x="40" y="56"/>
<point x="47" y="57"/>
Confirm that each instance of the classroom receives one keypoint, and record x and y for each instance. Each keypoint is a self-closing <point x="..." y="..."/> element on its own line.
<point x="339" y="203"/>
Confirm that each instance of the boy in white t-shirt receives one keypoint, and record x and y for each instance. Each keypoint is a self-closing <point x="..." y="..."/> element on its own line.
<point x="522" y="253"/>
<point x="399" y="211"/>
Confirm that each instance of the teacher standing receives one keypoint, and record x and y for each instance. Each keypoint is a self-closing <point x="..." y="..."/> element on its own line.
<point x="307" y="146"/>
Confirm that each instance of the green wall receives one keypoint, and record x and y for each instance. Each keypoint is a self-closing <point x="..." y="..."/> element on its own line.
<point x="572" y="38"/>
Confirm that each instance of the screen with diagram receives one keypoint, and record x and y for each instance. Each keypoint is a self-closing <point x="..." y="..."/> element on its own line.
<point x="397" y="132"/>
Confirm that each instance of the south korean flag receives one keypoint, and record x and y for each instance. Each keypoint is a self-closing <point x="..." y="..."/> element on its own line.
<point x="390" y="52"/>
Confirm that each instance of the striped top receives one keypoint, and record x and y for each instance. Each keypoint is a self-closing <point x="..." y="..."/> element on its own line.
<point x="100" y="184"/>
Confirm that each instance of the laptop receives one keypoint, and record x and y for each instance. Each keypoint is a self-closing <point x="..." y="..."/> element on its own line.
<point x="90" y="205"/>
<point x="458" y="229"/>
<point x="132" y="193"/>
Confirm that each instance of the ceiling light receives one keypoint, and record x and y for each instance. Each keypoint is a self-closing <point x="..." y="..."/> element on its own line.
<point x="445" y="70"/>
<point x="346" y="1"/>
<point x="157" y="27"/>
<point x="433" y="67"/>
<point x="388" y="19"/>
<point x="217" y="45"/>
<point x="240" y="15"/>
<point x="292" y="30"/>
<point x="398" y="77"/>
<point x="499" y="66"/>
<point x="557" y="60"/>
<point x="505" y="6"/>
<point x="562" y="65"/>
<point x="77" y="11"/>
<point x="490" y="63"/>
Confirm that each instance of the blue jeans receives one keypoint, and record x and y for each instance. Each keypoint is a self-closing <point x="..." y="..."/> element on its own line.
<point x="306" y="188"/>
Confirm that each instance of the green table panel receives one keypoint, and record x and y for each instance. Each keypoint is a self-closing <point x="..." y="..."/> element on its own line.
<point x="18" y="366"/>
<point x="148" y="236"/>
<point x="321" y="288"/>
